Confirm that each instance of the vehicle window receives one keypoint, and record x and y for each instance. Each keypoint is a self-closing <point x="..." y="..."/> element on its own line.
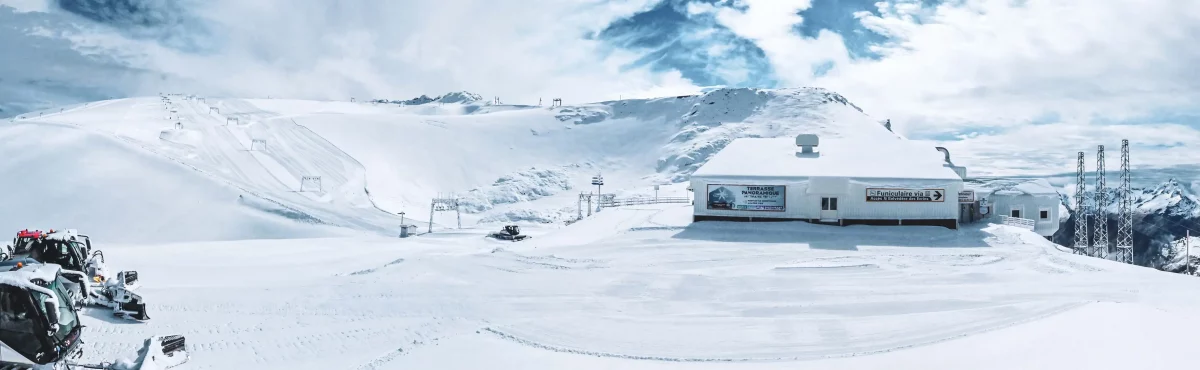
<point x="18" y="321"/>
<point x="66" y="314"/>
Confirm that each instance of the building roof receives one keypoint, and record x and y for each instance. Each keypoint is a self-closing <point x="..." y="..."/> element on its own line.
<point x="1034" y="187"/>
<point x="776" y="158"/>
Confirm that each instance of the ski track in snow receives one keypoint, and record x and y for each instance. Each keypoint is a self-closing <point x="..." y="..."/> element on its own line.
<point x="372" y="270"/>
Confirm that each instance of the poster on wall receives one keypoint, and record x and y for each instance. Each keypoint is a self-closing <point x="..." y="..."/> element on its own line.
<point x="771" y="198"/>
<point x="905" y="195"/>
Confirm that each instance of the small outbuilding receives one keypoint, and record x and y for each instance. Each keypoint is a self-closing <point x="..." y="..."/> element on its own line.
<point x="1032" y="199"/>
<point x="841" y="181"/>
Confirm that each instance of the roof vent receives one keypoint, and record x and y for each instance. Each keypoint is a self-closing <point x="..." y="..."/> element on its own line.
<point x="947" y="152"/>
<point x="808" y="144"/>
<point x="961" y="171"/>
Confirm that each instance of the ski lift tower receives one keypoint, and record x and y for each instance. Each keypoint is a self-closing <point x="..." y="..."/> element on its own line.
<point x="598" y="180"/>
<point x="307" y="183"/>
<point x="444" y="204"/>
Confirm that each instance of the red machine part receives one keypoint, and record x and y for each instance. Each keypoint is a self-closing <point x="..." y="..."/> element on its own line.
<point x="30" y="234"/>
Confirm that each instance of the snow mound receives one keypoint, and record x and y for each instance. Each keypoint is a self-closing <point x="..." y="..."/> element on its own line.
<point x="521" y="186"/>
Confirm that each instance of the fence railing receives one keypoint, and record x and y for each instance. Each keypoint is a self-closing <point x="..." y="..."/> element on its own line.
<point x="640" y="201"/>
<point x="1023" y="223"/>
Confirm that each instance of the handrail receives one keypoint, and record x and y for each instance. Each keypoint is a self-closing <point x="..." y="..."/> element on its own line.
<point x="1023" y="223"/>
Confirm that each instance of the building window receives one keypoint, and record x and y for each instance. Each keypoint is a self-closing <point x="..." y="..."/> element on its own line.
<point x="1045" y="214"/>
<point x="828" y="204"/>
<point x="1015" y="213"/>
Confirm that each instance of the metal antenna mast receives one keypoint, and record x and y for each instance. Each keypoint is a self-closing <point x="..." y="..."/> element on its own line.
<point x="1125" y="219"/>
<point x="1081" y="208"/>
<point x="1100" y="245"/>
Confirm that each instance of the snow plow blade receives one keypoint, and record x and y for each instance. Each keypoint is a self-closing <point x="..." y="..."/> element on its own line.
<point x="158" y="353"/>
<point x="162" y="353"/>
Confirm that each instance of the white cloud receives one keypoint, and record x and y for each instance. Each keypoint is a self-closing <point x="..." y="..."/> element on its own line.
<point x="1051" y="149"/>
<point x="24" y="6"/>
<point x="770" y="25"/>
<point x="519" y="50"/>
<point x="1004" y="63"/>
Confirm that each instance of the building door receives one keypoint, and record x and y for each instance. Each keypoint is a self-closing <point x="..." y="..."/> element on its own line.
<point x="829" y="209"/>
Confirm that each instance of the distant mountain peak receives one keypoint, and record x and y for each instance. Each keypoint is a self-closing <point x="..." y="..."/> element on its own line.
<point x="457" y="97"/>
<point x="462" y="97"/>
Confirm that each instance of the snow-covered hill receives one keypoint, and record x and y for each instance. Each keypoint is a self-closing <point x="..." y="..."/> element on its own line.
<point x="508" y="163"/>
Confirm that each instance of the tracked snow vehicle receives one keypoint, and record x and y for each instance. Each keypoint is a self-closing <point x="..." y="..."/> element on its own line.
<point x="24" y="240"/>
<point x="509" y="232"/>
<point x="90" y="281"/>
<point x="39" y="330"/>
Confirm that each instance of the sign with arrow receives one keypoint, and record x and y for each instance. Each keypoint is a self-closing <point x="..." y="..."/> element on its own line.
<point x="905" y="195"/>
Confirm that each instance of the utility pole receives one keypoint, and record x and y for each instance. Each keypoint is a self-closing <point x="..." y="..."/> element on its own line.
<point x="1187" y="247"/>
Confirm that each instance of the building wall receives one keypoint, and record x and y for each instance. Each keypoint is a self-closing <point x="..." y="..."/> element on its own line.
<point x="1030" y="207"/>
<point x="803" y="198"/>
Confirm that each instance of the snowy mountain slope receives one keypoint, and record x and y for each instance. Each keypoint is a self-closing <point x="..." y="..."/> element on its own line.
<point x="59" y="177"/>
<point x="508" y="163"/>
<point x="413" y="151"/>
<point x="270" y="177"/>
<point x="642" y="288"/>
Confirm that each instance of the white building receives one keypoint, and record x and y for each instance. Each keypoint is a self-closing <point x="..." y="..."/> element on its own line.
<point x="840" y="181"/>
<point x="1033" y="199"/>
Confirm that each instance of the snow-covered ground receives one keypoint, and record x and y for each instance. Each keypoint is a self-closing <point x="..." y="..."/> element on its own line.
<point x="642" y="288"/>
<point x="258" y="274"/>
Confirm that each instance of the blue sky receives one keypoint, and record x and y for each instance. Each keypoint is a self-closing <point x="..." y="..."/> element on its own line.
<point x="662" y="34"/>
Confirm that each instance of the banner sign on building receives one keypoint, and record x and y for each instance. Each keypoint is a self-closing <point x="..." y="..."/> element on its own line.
<point x="771" y="198"/>
<point x="966" y="196"/>
<point x="905" y="195"/>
